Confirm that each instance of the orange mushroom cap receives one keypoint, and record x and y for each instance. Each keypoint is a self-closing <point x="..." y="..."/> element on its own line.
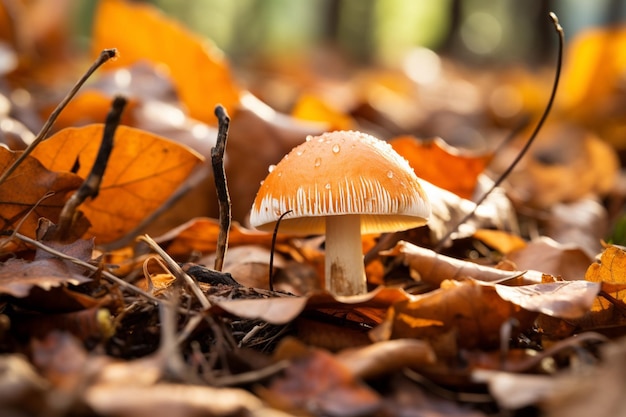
<point x="339" y="173"/>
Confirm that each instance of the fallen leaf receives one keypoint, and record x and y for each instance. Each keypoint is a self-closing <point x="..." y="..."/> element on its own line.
<point x="386" y="357"/>
<point x="312" y="108"/>
<point x="277" y="310"/>
<point x="563" y="299"/>
<point x="564" y="165"/>
<point x="317" y="383"/>
<point x="544" y="254"/>
<point x="24" y="190"/>
<point x="165" y="43"/>
<point x="143" y="171"/>
<point x="441" y="164"/>
<point x="434" y="268"/>
<point x="19" y="276"/>
<point x="502" y="241"/>
<point x="474" y="312"/>
<point x="200" y="235"/>
<point x="611" y="269"/>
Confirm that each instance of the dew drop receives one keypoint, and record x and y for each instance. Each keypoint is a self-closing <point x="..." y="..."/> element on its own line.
<point x="271" y="168"/>
<point x="318" y="162"/>
<point x="336" y="148"/>
<point x="327" y="186"/>
<point x="390" y="174"/>
<point x="299" y="152"/>
<point x="280" y="174"/>
<point x="308" y="138"/>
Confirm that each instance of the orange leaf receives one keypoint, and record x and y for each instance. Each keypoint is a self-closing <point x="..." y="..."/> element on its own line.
<point x="441" y="164"/>
<point x="313" y="108"/>
<point x="197" y="68"/>
<point x="143" y="171"/>
<point x="472" y="310"/>
<point x="24" y="189"/>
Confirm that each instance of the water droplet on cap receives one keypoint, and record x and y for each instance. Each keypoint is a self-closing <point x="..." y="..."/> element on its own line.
<point x="318" y="162"/>
<point x="336" y="148"/>
<point x="389" y="174"/>
<point x="327" y="186"/>
<point x="271" y="168"/>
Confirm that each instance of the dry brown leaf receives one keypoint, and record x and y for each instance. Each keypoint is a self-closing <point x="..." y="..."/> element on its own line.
<point x="200" y="235"/>
<point x="143" y="171"/>
<point x="544" y="254"/>
<point x="473" y="312"/>
<point x="25" y="189"/>
<point x="448" y="209"/>
<point x="584" y="223"/>
<point x="281" y="310"/>
<point x="563" y="299"/>
<point x="317" y="383"/>
<point x="278" y="310"/>
<point x="434" y="268"/>
<point x="143" y="33"/>
<point x="386" y="357"/>
<point x="19" y="276"/>
<point x="565" y="164"/>
<point x="441" y="164"/>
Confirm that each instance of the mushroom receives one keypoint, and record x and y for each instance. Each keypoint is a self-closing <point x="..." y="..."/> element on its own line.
<point x="341" y="183"/>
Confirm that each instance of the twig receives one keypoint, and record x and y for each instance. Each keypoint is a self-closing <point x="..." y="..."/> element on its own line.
<point x="91" y="186"/>
<point x="178" y="271"/>
<point x="105" y="55"/>
<point x="221" y="186"/>
<point x="252" y="376"/>
<point x="273" y="247"/>
<point x="89" y="266"/>
<point x="522" y="153"/>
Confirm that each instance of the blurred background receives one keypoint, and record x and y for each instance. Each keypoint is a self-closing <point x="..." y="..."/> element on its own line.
<point x="381" y="31"/>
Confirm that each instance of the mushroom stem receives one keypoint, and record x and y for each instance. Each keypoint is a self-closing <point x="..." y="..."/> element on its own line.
<point x="345" y="273"/>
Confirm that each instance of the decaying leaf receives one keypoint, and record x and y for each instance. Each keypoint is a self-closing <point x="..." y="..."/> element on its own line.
<point x="564" y="299"/>
<point x="474" y="312"/>
<point x="544" y="254"/>
<point x="385" y="357"/>
<point x="26" y="190"/>
<point x="433" y="268"/>
<point x="143" y="170"/>
<point x="19" y="276"/>
<point x="318" y="383"/>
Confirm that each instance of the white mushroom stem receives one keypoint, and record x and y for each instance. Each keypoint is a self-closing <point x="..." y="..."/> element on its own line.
<point x="345" y="273"/>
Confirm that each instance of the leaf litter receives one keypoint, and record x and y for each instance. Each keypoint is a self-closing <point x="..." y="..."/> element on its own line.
<point x="498" y="318"/>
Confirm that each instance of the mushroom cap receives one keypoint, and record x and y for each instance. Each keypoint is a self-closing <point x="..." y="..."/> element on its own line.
<point x="340" y="173"/>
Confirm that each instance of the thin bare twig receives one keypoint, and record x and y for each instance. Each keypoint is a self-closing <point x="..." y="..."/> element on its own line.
<point x="178" y="271"/>
<point x="105" y="55"/>
<point x="522" y="153"/>
<point x="91" y="186"/>
<point x="221" y="186"/>
<point x="273" y="247"/>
